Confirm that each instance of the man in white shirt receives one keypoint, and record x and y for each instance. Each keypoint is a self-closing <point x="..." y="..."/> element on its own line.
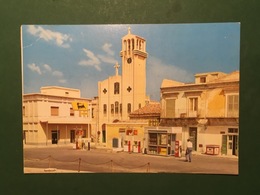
<point x="188" y="150"/>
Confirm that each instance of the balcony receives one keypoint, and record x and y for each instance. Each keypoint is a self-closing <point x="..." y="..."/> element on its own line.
<point x="210" y="121"/>
<point x="58" y="120"/>
<point x="178" y="121"/>
<point x="183" y="113"/>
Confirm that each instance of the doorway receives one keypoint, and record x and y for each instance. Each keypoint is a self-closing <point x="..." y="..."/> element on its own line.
<point x="54" y="136"/>
<point x="232" y="145"/>
<point x="171" y="144"/>
<point x="72" y="136"/>
<point x="104" y="133"/>
<point x="193" y="137"/>
<point x="229" y="145"/>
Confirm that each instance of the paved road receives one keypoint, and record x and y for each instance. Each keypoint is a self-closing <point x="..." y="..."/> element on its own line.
<point x="107" y="161"/>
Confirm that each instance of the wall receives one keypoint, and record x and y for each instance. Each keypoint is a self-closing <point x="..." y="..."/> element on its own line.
<point x="113" y="132"/>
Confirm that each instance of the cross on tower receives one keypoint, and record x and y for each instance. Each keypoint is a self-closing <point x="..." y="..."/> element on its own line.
<point x="116" y="67"/>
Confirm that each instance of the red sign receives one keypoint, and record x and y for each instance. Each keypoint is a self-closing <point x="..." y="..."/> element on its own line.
<point x="79" y="132"/>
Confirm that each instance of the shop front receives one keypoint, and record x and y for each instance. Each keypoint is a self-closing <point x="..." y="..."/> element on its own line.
<point x="163" y="141"/>
<point x="128" y="137"/>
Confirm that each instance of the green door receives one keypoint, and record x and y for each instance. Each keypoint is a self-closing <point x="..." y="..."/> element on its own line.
<point x="224" y="145"/>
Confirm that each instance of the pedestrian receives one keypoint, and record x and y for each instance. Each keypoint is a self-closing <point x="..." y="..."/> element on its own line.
<point x="188" y="151"/>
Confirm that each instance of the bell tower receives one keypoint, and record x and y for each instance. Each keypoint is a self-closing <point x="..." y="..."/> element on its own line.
<point x="134" y="57"/>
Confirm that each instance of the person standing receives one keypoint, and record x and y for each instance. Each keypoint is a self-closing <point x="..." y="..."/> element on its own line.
<point x="188" y="151"/>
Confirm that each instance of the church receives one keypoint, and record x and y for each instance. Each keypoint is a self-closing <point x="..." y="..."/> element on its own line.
<point x="119" y="95"/>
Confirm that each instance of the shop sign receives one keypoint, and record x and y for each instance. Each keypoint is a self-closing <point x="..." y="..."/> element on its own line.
<point x="80" y="106"/>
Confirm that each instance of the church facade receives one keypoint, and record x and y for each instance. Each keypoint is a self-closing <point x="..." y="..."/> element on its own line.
<point x="119" y="95"/>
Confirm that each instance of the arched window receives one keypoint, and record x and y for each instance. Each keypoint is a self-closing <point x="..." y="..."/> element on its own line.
<point x="116" y="107"/>
<point x="112" y="108"/>
<point x="104" y="109"/>
<point x="116" y="88"/>
<point x="120" y="108"/>
<point x="129" y="45"/>
<point x="128" y="108"/>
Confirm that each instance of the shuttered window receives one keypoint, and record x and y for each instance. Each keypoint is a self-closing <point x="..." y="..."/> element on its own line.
<point x="193" y="104"/>
<point x="232" y="105"/>
<point x="54" y="111"/>
<point x="170" y="108"/>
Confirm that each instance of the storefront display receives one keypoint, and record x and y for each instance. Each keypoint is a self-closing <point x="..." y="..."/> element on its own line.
<point x="159" y="143"/>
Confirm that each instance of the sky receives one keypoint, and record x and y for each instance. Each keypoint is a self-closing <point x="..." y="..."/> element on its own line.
<point x="78" y="56"/>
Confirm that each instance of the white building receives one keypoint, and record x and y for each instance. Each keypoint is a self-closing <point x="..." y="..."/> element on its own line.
<point x="119" y="95"/>
<point x="50" y="118"/>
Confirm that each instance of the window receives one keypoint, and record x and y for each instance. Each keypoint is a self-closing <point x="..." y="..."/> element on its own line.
<point x="162" y="139"/>
<point x="71" y="112"/>
<point x="170" y="108"/>
<point x="232" y="130"/>
<point x="112" y="108"/>
<point x="202" y="79"/>
<point x="116" y="88"/>
<point x="54" y="111"/>
<point x="104" y="109"/>
<point x="92" y="113"/>
<point x="193" y="104"/>
<point x="120" y="108"/>
<point x="232" y="105"/>
<point x="84" y="133"/>
<point x="128" y="108"/>
<point x="116" y="107"/>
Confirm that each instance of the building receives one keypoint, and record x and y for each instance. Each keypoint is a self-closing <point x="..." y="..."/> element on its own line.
<point x="206" y="111"/>
<point x="57" y="115"/>
<point x="150" y="112"/>
<point x="126" y="136"/>
<point x="119" y="95"/>
<point x="129" y="135"/>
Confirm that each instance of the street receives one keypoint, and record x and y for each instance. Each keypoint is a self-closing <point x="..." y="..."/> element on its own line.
<point x="107" y="161"/>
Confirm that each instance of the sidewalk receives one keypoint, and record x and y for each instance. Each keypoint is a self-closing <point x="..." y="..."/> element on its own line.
<point x="93" y="146"/>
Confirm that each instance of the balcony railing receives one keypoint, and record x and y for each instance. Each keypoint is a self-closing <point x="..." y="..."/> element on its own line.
<point x="182" y="113"/>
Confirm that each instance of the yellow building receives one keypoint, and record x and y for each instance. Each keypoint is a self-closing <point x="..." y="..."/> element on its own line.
<point x="119" y="95"/>
<point x="57" y="115"/>
<point x="207" y="111"/>
<point x="126" y="136"/>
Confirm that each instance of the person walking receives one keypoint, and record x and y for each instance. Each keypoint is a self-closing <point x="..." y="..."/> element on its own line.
<point x="188" y="151"/>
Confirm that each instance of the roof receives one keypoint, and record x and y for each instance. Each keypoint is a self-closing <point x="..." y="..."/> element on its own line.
<point x="170" y="83"/>
<point x="230" y="77"/>
<point x="150" y="109"/>
<point x="209" y="73"/>
<point x="233" y="76"/>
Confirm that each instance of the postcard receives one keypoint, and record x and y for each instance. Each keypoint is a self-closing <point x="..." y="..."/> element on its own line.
<point x="131" y="98"/>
